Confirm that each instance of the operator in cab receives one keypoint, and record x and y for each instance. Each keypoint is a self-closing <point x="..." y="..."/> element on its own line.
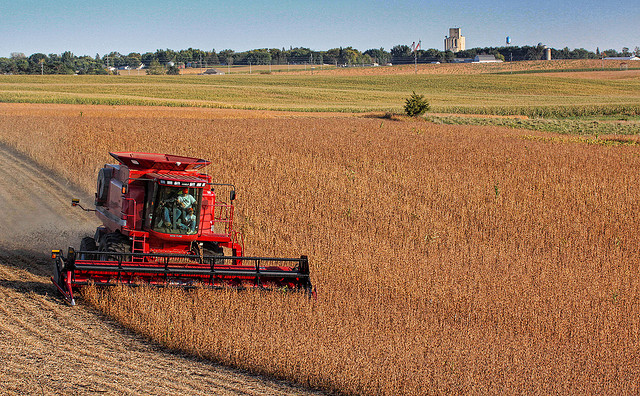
<point x="183" y="203"/>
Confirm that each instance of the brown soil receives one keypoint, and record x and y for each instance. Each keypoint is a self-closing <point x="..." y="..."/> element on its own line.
<point x="50" y="348"/>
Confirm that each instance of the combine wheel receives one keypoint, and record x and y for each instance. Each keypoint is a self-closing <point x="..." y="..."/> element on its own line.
<point x="88" y="244"/>
<point x="213" y="249"/>
<point x="114" y="242"/>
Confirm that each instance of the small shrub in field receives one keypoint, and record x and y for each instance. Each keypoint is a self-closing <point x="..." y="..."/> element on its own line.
<point x="416" y="105"/>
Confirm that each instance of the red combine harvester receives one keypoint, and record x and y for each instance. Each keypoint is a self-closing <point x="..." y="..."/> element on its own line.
<point x="163" y="224"/>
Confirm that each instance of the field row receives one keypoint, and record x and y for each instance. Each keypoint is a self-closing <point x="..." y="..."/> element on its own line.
<point x="535" y="95"/>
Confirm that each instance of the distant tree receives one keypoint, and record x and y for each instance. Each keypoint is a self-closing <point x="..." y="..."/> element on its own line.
<point x="37" y="57"/>
<point x="299" y="55"/>
<point x="277" y="56"/>
<point x="636" y="51"/>
<point x="401" y="54"/>
<point x="22" y="66"/>
<point x="147" y="58"/>
<point x="212" y="58"/>
<point x="155" y="68"/>
<point x="470" y="53"/>
<point x="185" y="56"/>
<point x="581" y="53"/>
<point x="565" y="53"/>
<point x="198" y="57"/>
<point x="333" y="55"/>
<point x="68" y="58"/>
<point x="449" y="56"/>
<point x="259" y="57"/>
<point x="133" y="60"/>
<point x="379" y="55"/>
<point x="400" y="51"/>
<point x="350" y="56"/>
<point x="6" y="66"/>
<point x="433" y="53"/>
<point x="535" y="53"/>
<point x="226" y="56"/>
<point x="165" y="56"/>
<point x="114" y="59"/>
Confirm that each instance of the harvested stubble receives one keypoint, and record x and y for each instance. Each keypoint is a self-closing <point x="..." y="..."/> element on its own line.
<point x="448" y="259"/>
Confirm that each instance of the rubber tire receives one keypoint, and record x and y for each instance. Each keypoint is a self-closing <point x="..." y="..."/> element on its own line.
<point x="88" y="244"/>
<point x="114" y="242"/>
<point x="104" y="180"/>
<point x="212" y="249"/>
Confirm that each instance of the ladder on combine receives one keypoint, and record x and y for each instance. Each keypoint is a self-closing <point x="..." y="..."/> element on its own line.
<point x="138" y="245"/>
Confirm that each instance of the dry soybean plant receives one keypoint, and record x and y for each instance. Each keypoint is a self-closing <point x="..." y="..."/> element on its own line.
<point x="448" y="259"/>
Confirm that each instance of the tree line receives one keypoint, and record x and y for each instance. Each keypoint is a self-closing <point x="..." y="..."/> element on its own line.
<point x="169" y="61"/>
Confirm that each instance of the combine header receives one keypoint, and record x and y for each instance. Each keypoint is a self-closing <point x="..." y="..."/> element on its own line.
<point x="164" y="224"/>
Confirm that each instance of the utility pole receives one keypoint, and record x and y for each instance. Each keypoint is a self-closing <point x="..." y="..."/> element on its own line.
<point x="415" y="55"/>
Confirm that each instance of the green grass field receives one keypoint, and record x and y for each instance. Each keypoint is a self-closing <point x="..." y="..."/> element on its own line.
<point x="521" y="94"/>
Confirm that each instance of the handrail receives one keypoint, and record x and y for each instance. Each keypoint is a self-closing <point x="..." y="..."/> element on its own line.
<point x="126" y="215"/>
<point x="223" y="213"/>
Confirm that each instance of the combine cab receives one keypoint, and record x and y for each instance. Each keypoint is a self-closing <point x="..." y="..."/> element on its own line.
<point x="164" y="224"/>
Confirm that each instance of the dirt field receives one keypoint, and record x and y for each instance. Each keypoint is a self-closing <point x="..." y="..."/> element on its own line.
<point x="49" y="348"/>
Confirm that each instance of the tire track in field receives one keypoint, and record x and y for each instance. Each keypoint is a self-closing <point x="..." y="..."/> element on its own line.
<point x="50" y="348"/>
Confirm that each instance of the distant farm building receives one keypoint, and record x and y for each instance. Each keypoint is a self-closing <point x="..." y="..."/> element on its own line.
<point x="212" y="71"/>
<point x="477" y="59"/>
<point x="622" y="58"/>
<point x="455" y="42"/>
<point x="485" y="59"/>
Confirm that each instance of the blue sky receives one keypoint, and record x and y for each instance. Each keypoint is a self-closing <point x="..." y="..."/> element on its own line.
<point x="89" y="27"/>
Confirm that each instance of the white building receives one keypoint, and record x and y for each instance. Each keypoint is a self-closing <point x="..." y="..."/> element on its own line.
<point x="623" y="58"/>
<point x="485" y="59"/>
